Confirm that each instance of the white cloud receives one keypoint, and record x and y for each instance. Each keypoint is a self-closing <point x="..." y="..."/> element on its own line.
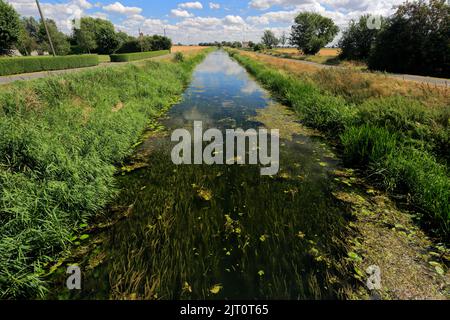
<point x="62" y="13"/>
<point x="181" y="13"/>
<point x="117" y="7"/>
<point x="233" y="20"/>
<point x="191" y="5"/>
<point x="278" y="16"/>
<point x="214" y="6"/>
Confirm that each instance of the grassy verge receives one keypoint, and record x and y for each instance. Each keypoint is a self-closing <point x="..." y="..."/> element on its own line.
<point x="60" y="139"/>
<point x="127" y="57"/>
<point x="19" y="65"/>
<point x="400" y="142"/>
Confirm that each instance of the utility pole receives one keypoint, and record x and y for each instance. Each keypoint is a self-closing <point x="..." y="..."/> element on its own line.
<point x="141" y="40"/>
<point x="46" y="28"/>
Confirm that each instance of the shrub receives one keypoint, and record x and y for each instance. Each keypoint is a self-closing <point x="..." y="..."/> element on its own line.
<point x="179" y="57"/>
<point x="127" y="57"/>
<point x="18" y="65"/>
<point x="130" y="46"/>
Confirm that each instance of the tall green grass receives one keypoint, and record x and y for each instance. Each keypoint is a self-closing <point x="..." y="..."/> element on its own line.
<point x="400" y="141"/>
<point x="59" y="141"/>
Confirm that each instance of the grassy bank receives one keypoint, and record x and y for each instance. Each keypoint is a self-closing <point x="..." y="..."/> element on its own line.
<point x="60" y="139"/>
<point x="399" y="141"/>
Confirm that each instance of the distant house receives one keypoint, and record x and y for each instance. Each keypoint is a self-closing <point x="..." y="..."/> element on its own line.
<point x="245" y="44"/>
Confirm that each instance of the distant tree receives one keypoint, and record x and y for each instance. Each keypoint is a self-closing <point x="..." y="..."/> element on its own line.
<point x="236" y="44"/>
<point x="311" y="32"/>
<point x="251" y="44"/>
<point x="358" y="39"/>
<point x="416" y="39"/>
<point x="160" y="43"/>
<point x="283" y="39"/>
<point x="269" y="39"/>
<point x="9" y="27"/>
<point x="59" y="39"/>
<point x="259" y="47"/>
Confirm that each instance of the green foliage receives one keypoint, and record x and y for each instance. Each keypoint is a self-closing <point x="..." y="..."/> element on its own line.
<point x="269" y="39"/>
<point x="145" y="43"/>
<point x="415" y="40"/>
<point x="17" y="65"/>
<point x="85" y="37"/>
<point x="179" y="57"/>
<point x="9" y="27"/>
<point x="396" y="139"/>
<point x="126" y="57"/>
<point x="97" y="36"/>
<point x="59" y="39"/>
<point x="366" y="144"/>
<point x="130" y="46"/>
<point x="418" y="173"/>
<point x="106" y="37"/>
<point x="259" y="47"/>
<point x="28" y="38"/>
<point x="59" y="143"/>
<point x="357" y="40"/>
<point x="311" y="32"/>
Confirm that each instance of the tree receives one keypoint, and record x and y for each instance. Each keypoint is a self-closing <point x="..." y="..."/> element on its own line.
<point x="269" y="39"/>
<point x="311" y="32"/>
<point x="283" y="39"/>
<point x="9" y="27"/>
<point x="160" y="43"/>
<point x="123" y="38"/>
<point x="84" y="37"/>
<point x="357" y="40"/>
<point x="236" y="45"/>
<point x="416" y="39"/>
<point x="106" y="37"/>
<point x="59" y="39"/>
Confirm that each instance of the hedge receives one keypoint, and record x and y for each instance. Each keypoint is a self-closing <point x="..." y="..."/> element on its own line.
<point x="18" y="65"/>
<point x="126" y="57"/>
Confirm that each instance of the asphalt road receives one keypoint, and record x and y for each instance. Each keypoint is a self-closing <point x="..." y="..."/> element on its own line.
<point x="407" y="77"/>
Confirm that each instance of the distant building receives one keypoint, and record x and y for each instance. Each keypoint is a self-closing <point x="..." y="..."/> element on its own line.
<point x="245" y="44"/>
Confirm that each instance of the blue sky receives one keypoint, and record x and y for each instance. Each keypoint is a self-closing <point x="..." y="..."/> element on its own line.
<point x="200" y="21"/>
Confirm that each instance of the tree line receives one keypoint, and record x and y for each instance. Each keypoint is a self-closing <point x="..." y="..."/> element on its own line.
<point x="94" y="35"/>
<point x="415" y="39"/>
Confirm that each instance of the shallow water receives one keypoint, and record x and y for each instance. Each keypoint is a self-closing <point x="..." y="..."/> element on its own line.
<point x="223" y="232"/>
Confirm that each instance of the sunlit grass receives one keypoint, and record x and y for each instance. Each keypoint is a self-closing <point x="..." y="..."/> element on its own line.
<point x="59" y="143"/>
<point x="368" y="128"/>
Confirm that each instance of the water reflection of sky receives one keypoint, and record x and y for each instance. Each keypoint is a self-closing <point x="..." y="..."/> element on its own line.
<point x="221" y="94"/>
